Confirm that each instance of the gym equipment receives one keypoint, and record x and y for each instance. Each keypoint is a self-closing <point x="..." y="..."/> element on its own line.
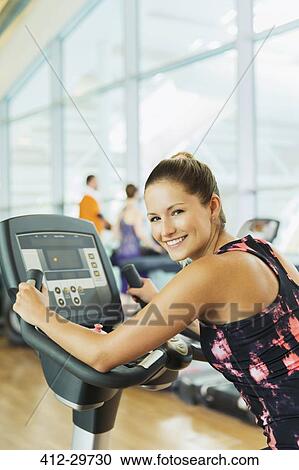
<point x="129" y="271"/>
<point x="68" y="254"/>
<point x="134" y="280"/>
<point x="268" y="230"/>
<point x="200" y="384"/>
<point x="9" y="322"/>
<point x="260" y="228"/>
<point x="152" y="263"/>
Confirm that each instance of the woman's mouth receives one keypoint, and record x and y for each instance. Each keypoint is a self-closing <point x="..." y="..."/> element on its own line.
<point x="175" y="242"/>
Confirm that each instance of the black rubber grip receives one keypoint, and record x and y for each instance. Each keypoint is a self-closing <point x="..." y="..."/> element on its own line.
<point x="133" y="279"/>
<point x="37" y="276"/>
<point x="132" y="276"/>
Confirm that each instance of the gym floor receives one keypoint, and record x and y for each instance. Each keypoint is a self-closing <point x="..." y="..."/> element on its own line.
<point x="32" y="418"/>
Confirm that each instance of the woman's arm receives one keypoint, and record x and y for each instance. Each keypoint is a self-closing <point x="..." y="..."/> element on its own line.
<point x="170" y="311"/>
<point x="179" y="303"/>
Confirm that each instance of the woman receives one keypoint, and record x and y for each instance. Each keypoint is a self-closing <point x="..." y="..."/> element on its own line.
<point x="244" y="293"/>
<point x="129" y="231"/>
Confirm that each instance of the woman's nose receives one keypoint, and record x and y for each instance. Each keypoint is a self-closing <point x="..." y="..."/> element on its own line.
<point x="167" y="229"/>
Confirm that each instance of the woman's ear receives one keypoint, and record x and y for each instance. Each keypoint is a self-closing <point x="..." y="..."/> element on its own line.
<point x="215" y="206"/>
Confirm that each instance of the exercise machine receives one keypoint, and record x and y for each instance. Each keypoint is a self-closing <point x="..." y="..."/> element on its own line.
<point x="264" y="228"/>
<point x="9" y="321"/>
<point x="68" y="256"/>
<point x="268" y="229"/>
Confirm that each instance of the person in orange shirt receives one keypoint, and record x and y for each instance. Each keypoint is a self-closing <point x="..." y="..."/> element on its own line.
<point x="90" y="207"/>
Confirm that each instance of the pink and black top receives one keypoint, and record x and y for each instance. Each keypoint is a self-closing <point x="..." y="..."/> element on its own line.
<point x="260" y="354"/>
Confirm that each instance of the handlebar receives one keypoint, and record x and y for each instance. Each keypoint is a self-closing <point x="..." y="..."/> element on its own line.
<point x="120" y="377"/>
<point x="134" y="280"/>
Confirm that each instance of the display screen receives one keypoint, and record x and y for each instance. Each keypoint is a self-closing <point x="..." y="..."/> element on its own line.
<point x="72" y="267"/>
<point x="58" y="259"/>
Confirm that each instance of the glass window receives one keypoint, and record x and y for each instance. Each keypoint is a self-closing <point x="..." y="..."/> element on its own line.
<point x="268" y="13"/>
<point x="176" y="110"/>
<point x="34" y="94"/>
<point x="277" y="100"/>
<point x="93" y="52"/>
<point x="173" y="29"/>
<point x="283" y="205"/>
<point x="31" y="174"/>
<point x="277" y="104"/>
<point x="105" y="116"/>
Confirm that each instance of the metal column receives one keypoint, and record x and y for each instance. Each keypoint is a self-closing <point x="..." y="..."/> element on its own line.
<point x="4" y="160"/>
<point x="132" y="90"/>
<point x="57" y="149"/>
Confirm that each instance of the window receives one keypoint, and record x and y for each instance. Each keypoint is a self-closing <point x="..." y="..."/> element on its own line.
<point x="277" y="75"/>
<point x="269" y="13"/>
<point x="83" y="156"/>
<point x="177" y="109"/>
<point x="277" y="104"/>
<point x="31" y="173"/>
<point x="34" y="94"/>
<point x="30" y="145"/>
<point x="93" y="52"/>
<point x="174" y="29"/>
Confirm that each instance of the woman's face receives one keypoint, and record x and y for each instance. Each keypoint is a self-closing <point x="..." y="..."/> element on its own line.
<point x="179" y="222"/>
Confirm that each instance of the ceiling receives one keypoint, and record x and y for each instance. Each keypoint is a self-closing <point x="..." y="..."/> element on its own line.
<point x="9" y="10"/>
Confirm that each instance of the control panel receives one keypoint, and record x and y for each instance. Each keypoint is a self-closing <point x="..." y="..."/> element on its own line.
<point x="72" y="267"/>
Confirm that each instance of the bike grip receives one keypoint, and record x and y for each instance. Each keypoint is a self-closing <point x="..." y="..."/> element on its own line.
<point x="132" y="276"/>
<point x="37" y="276"/>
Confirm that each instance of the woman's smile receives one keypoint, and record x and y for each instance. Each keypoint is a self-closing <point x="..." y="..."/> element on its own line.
<point x="175" y="242"/>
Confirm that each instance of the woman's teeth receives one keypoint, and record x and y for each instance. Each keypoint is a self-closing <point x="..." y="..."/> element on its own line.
<point x="176" y="241"/>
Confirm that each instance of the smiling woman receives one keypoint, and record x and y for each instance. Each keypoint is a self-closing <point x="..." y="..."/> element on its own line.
<point x="245" y="295"/>
<point x="191" y="207"/>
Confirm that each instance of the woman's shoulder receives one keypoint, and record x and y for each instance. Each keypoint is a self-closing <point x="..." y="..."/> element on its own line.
<point x="216" y="271"/>
<point x="224" y="262"/>
<point x="234" y="276"/>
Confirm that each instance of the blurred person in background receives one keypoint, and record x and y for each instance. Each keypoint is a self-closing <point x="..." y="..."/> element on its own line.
<point x="130" y="233"/>
<point x="90" y="208"/>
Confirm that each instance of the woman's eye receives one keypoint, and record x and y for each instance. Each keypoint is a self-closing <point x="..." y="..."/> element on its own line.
<point x="177" y="211"/>
<point x="154" y="219"/>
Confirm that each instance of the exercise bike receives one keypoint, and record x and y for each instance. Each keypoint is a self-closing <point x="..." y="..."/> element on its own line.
<point x="67" y="255"/>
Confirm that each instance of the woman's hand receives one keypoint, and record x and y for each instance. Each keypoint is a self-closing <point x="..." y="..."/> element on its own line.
<point x="146" y="292"/>
<point x="31" y="304"/>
